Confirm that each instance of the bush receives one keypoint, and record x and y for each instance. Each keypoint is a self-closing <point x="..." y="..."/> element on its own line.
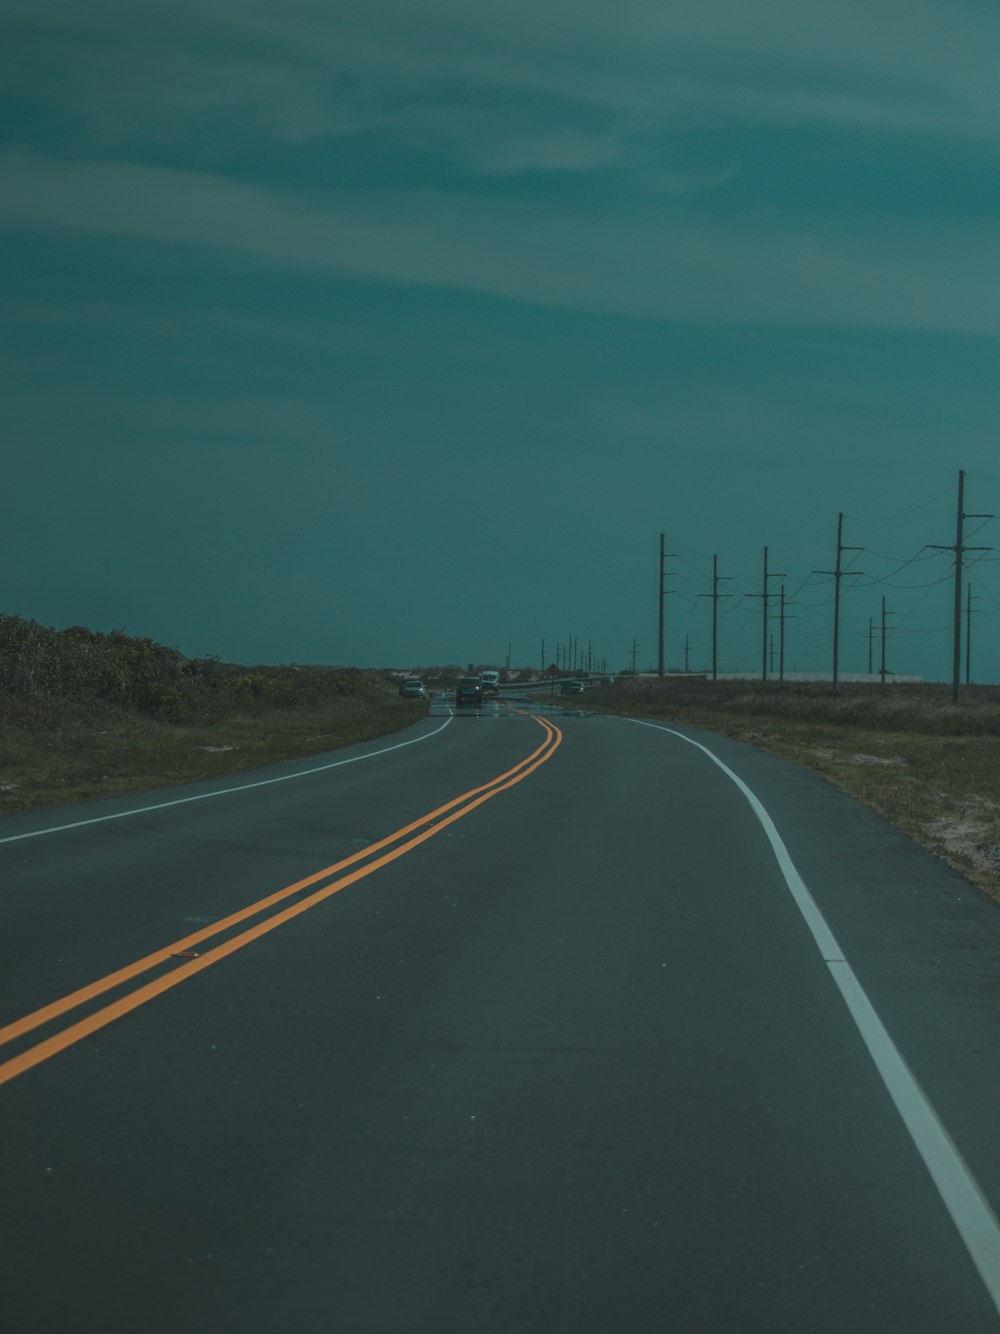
<point x="42" y="671"/>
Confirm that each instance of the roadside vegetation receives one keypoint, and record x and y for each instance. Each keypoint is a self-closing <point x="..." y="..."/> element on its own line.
<point x="929" y="766"/>
<point x="85" y="714"/>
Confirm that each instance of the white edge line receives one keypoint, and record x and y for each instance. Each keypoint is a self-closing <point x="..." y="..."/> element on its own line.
<point x="970" y="1212"/>
<point x="226" y="791"/>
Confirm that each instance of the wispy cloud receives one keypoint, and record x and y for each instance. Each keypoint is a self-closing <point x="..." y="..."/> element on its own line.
<point x="596" y="261"/>
<point x="302" y="69"/>
<point x="559" y="150"/>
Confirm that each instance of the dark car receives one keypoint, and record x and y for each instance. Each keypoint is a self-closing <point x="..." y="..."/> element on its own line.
<point x="571" y="688"/>
<point x="469" y="692"/>
<point x="412" y="688"/>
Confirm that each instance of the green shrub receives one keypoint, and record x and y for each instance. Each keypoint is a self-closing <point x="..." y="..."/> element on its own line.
<point x="43" y="671"/>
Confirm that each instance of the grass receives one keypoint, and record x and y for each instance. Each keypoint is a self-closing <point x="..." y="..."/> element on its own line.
<point x="84" y="753"/>
<point x="85" y="714"/>
<point x="928" y="766"/>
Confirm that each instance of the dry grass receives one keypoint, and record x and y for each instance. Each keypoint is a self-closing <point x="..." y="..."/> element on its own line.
<point x="92" y="753"/>
<point x="928" y="766"/>
<point x="86" y="714"/>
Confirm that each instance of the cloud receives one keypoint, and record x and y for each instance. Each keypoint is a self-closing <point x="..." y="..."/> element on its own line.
<point x="555" y="150"/>
<point x="301" y="69"/>
<point x="600" y="261"/>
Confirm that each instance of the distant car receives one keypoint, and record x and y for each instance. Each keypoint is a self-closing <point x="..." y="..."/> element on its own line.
<point x="571" y="688"/>
<point x="469" y="691"/>
<point x="413" y="688"/>
<point x="491" y="681"/>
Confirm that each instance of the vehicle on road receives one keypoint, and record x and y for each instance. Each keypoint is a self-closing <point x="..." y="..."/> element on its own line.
<point x="571" y="688"/>
<point x="491" y="681"/>
<point x="413" y="688"/>
<point x="469" y="692"/>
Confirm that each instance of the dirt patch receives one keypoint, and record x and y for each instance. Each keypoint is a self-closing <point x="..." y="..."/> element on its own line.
<point x="972" y="834"/>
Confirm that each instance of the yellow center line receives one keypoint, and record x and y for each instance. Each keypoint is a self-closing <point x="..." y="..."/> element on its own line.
<point x="467" y="802"/>
<point x="52" y="1011"/>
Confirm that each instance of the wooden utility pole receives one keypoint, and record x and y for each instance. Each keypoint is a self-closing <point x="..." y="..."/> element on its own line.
<point x="763" y="667"/>
<point x="663" y="594"/>
<point x="659" y="659"/>
<point x="956" y="660"/>
<point x="838" y="573"/>
<point x="764" y="597"/>
<point x="959" y="549"/>
<point x="968" y="634"/>
<point x="715" y="595"/>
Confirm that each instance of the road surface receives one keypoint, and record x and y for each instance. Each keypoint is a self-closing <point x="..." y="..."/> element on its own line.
<point x="517" y="1022"/>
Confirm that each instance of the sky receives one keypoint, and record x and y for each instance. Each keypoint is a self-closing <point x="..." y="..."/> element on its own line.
<point x="396" y="334"/>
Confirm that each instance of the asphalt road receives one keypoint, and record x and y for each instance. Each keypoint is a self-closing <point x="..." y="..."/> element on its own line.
<point x="501" y="1024"/>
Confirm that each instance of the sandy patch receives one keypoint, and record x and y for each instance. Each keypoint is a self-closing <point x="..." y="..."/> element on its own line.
<point x="971" y="837"/>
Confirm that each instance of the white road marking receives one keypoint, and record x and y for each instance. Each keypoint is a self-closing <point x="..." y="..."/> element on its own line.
<point x="225" y="791"/>
<point x="976" y="1223"/>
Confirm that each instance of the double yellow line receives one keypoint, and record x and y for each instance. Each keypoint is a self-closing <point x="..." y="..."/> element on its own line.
<point x="183" y="959"/>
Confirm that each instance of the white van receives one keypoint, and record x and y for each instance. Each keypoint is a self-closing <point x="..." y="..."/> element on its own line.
<point x="490" y="679"/>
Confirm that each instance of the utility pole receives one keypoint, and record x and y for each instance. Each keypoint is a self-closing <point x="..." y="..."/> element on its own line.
<point x="764" y="597"/>
<point x="663" y="556"/>
<point x="968" y="633"/>
<point x="763" y="670"/>
<point x="781" y="636"/>
<point x="659" y="668"/>
<point x="838" y="574"/>
<point x="870" y="634"/>
<point x="687" y="648"/>
<point x="957" y="647"/>
<point x="884" y="615"/>
<point x="715" y="595"/>
<point x="634" y="647"/>
<point x="959" y="549"/>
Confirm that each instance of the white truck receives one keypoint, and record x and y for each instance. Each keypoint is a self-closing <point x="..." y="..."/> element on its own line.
<point x="490" y="679"/>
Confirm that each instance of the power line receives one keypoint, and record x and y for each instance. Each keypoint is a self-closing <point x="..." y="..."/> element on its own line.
<point x="903" y="514"/>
